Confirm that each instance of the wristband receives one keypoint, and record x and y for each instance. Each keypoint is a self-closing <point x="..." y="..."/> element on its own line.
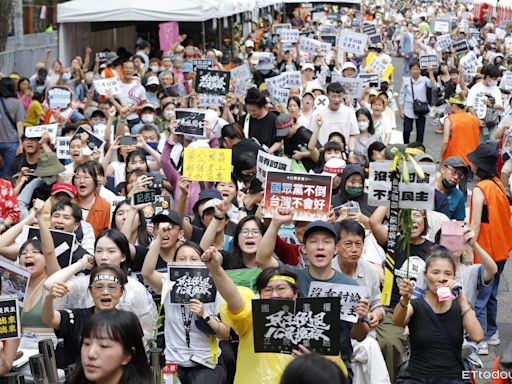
<point x="219" y="218"/>
<point x="465" y="311"/>
<point x="402" y="304"/>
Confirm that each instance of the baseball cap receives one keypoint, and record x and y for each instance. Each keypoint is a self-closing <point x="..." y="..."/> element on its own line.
<point x="424" y="157"/>
<point x="206" y="194"/>
<point x="455" y="162"/>
<point x="249" y="44"/>
<point x="187" y="67"/>
<point x="308" y="66"/>
<point x="148" y="105"/>
<point x="319" y="225"/>
<point x="209" y="204"/>
<point x="283" y="122"/>
<point x="67" y="188"/>
<point x="348" y="65"/>
<point x="152" y="80"/>
<point x="171" y="217"/>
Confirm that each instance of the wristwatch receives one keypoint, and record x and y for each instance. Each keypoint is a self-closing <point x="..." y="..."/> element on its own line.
<point x="207" y="318"/>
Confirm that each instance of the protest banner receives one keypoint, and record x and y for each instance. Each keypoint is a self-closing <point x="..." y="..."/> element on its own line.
<point x="190" y="122"/>
<point x="443" y="42"/>
<point x="371" y="80"/>
<point x="353" y="86"/>
<point x="281" y="325"/>
<point x="201" y="64"/>
<point x="460" y="46"/>
<point x="369" y="29"/>
<point x="162" y="205"/>
<point x="93" y="140"/>
<point x="38" y="130"/>
<point x="287" y="35"/>
<point x="191" y="282"/>
<point x="314" y="47"/>
<point x="154" y="294"/>
<point x="309" y="195"/>
<point x="10" y="319"/>
<point x="506" y="81"/>
<point x="442" y="26"/>
<point x="103" y="86"/>
<point x="377" y="66"/>
<point x="169" y="34"/>
<point x="425" y="60"/>
<point x="64" y="243"/>
<point x="352" y="42"/>
<point x="15" y="279"/>
<point x="59" y="98"/>
<point x="212" y="82"/>
<point x="266" y="162"/>
<point x="207" y="164"/>
<point x="469" y="62"/>
<point x="62" y="147"/>
<point x="241" y="73"/>
<point x="417" y="194"/>
<point x="349" y="296"/>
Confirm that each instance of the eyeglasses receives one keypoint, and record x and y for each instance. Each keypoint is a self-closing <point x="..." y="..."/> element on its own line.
<point x="83" y="178"/>
<point x="350" y="244"/>
<point x="33" y="252"/>
<point x="255" y="232"/>
<point x="100" y="288"/>
<point x="457" y="172"/>
<point x="279" y="289"/>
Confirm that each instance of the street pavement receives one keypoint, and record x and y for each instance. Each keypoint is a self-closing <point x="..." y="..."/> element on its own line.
<point x="432" y="144"/>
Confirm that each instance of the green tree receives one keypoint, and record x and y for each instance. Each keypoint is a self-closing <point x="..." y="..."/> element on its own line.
<point x="5" y="17"/>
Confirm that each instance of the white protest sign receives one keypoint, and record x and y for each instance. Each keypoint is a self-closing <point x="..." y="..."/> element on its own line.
<point x="59" y="98"/>
<point x="468" y="76"/>
<point x="62" y="148"/>
<point x="349" y="296"/>
<point x="267" y="162"/>
<point x="279" y="95"/>
<point x="289" y="35"/>
<point x="417" y="194"/>
<point x="500" y="33"/>
<point x="38" y="130"/>
<point x="241" y="73"/>
<point x="479" y="105"/>
<point x="313" y="46"/>
<point x="205" y="100"/>
<point x="491" y="37"/>
<point x="464" y="25"/>
<point x="425" y="60"/>
<point x="353" y="86"/>
<point x="469" y="62"/>
<point x="352" y="42"/>
<point x="242" y="87"/>
<point x="376" y="66"/>
<point x="100" y="130"/>
<point x="442" y="26"/>
<point x="103" y="86"/>
<point x="292" y="79"/>
<point x="444" y="42"/>
<point x="276" y="81"/>
<point x="506" y="81"/>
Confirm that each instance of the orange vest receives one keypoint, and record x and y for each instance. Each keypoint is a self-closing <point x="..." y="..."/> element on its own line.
<point x="464" y="136"/>
<point x="495" y="236"/>
<point x="99" y="214"/>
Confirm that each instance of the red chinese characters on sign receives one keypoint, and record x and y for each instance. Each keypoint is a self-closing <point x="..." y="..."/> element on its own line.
<point x="308" y="195"/>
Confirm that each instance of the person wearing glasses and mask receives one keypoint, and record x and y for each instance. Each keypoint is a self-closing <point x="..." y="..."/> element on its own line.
<point x="453" y="171"/>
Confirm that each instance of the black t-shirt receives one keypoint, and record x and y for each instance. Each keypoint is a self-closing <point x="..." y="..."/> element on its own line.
<point x="298" y="142"/>
<point x="432" y="354"/>
<point x="77" y="254"/>
<point x="243" y="146"/>
<point x="415" y="265"/>
<point x="263" y="130"/>
<point x="19" y="162"/>
<point x="71" y="325"/>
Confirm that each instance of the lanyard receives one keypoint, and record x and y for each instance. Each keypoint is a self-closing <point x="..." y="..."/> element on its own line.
<point x="187" y="322"/>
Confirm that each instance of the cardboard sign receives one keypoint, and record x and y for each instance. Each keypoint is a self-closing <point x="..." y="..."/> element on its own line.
<point x="442" y="26"/>
<point x="506" y="81"/>
<point x="15" y="279"/>
<point x="202" y="64"/>
<point x="417" y="194"/>
<point x="443" y="42"/>
<point x="191" y="282"/>
<point x="460" y="46"/>
<point x="103" y="86"/>
<point x="64" y="243"/>
<point x="314" y="47"/>
<point x="266" y="162"/>
<point x="370" y="79"/>
<point x="10" y="319"/>
<point x="309" y="195"/>
<point x="425" y="60"/>
<point x="190" y="122"/>
<point x="287" y="35"/>
<point x="62" y="148"/>
<point x="212" y="82"/>
<point x="352" y="42"/>
<point x="353" y="86"/>
<point x="349" y="296"/>
<point x="369" y="29"/>
<point x="154" y="294"/>
<point x="38" y="130"/>
<point x="93" y="141"/>
<point x="59" y="98"/>
<point x="168" y="34"/>
<point x="207" y="164"/>
<point x="281" y="325"/>
<point x="241" y="73"/>
<point x="377" y="66"/>
<point x="144" y="197"/>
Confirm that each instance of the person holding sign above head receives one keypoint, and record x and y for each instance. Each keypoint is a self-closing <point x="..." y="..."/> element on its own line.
<point x="192" y="330"/>
<point x="236" y="310"/>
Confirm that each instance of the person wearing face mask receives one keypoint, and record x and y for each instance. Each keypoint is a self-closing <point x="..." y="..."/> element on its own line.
<point x="152" y="87"/>
<point x="147" y="116"/>
<point x="367" y="134"/>
<point x="453" y="170"/>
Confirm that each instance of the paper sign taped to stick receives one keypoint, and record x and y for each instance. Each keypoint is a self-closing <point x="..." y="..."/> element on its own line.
<point x="63" y="242"/>
<point x="417" y="194"/>
<point x="281" y="325"/>
<point x="207" y="164"/>
<point x="15" y="279"/>
<point x="190" y="122"/>
<point x="191" y="282"/>
<point x="352" y="42"/>
<point x="349" y="296"/>
<point x="103" y="86"/>
<point x="267" y="162"/>
<point x="308" y="195"/>
<point x="212" y="82"/>
<point x="10" y="319"/>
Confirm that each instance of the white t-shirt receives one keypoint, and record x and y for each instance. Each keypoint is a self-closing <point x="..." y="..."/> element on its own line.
<point x="382" y="127"/>
<point x="481" y="89"/>
<point x="343" y="120"/>
<point x="131" y="94"/>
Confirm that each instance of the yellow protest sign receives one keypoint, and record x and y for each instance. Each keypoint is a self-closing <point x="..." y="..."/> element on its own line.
<point x="207" y="164"/>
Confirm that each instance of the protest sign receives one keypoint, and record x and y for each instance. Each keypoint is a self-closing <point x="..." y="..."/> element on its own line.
<point x="212" y="82"/>
<point x="491" y="38"/>
<point x="377" y="66"/>
<point x="425" y="60"/>
<point x="479" y="105"/>
<point x="206" y="101"/>
<point x="201" y="64"/>
<point x="469" y="62"/>
<point x="417" y="194"/>
<point x="376" y="38"/>
<point x="442" y="26"/>
<point x="443" y="42"/>
<point x="370" y="79"/>
<point x="266" y="162"/>
<point x="15" y="279"/>
<point x="38" y="130"/>
<point x="62" y="241"/>
<point x="191" y="282"/>
<point x="242" y="87"/>
<point x="276" y="28"/>
<point x="168" y="34"/>
<point x="369" y="29"/>
<point x="353" y="86"/>
<point x="241" y="73"/>
<point x="161" y="205"/>
<point x="292" y="79"/>
<point x="326" y="29"/>
<point x="102" y="56"/>
<point x="309" y="195"/>
<point x="506" y="81"/>
<point x="287" y="35"/>
<point x="154" y="294"/>
<point x="207" y="164"/>
<point x="279" y="95"/>
<point x="103" y="86"/>
<point x="62" y="148"/>
<point x="460" y="46"/>
<point x="314" y="47"/>
<point x="59" y="98"/>
<point x="464" y="25"/>
<point x="352" y="42"/>
<point x="143" y="197"/>
<point x="281" y="325"/>
<point x="349" y="296"/>
<point x="93" y="141"/>
<point x="331" y="39"/>
<point x="10" y="320"/>
<point x="500" y="33"/>
<point x="190" y="122"/>
<point x="507" y="145"/>
<point x="182" y="88"/>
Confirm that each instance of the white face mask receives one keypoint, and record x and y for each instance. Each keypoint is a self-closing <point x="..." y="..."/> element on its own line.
<point x="148" y="118"/>
<point x="154" y="68"/>
<point x="363" y="125"/>
<point x="493" y="83"/>
<point x="169" y="114"/>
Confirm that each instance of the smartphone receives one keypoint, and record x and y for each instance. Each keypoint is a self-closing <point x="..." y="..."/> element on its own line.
<point x="144" y="197"/>
<point x="157" y="183"/>
<point x="128" y="140"/>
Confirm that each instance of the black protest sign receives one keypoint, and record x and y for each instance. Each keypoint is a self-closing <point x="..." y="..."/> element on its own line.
<point x="93" y="141"/>
<point x="375" y="38"/>
<point x="202" y="64"/>
<point x="190" y="122"/>
<point x="191" y="282"/>
<point x="144" y="197"/>
<point x="369" y="29"/>
<point x="9" y="318"/>
<point x="15" y="279"/>
<point x="156" y="296"/>
<point x="62" y="241"/>
<point x="212" y="82"/>
<point x="371" y="80"/>
<point x="161" y="205"/>
<point x="425" y="60"/>
<point x="331" y="39"/>
<point x="281" y="325"/>
<point x="460" y="46"/>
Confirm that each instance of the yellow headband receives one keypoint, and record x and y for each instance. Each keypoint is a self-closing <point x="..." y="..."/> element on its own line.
<point x="289" y="279"/>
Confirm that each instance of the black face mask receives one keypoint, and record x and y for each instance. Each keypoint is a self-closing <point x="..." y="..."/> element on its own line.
<point x="384" y="87"/>
<point x="379" y="50"/>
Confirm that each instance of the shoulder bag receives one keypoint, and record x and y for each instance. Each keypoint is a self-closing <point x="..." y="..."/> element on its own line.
<point x="420" y="108"/>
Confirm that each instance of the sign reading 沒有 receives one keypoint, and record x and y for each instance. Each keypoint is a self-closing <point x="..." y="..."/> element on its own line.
<point x="267" y="162"/>
<point x="191" y="282"/>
